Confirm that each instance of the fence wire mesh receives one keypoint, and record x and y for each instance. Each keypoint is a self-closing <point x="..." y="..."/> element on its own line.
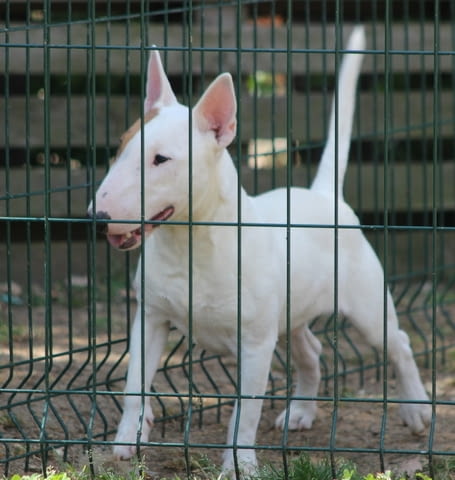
<point x="74" y="79"/>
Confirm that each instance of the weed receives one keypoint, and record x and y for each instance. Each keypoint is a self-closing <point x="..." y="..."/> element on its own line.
<point x="302" y="468"/>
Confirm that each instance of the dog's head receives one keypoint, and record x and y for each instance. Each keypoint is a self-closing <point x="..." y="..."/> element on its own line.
<point x="150" y="178"/>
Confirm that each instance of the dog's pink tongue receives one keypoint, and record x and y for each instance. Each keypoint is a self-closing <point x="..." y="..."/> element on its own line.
<point x="118" y="241"/>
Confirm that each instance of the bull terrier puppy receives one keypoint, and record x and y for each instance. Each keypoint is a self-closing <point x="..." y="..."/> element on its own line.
<point x="161" y="193"/>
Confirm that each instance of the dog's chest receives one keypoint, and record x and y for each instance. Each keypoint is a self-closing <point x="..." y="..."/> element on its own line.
<point x="206" y="310"/>
<point x="200" y="297"/>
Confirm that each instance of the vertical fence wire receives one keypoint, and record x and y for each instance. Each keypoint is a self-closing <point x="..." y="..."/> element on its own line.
<point x="235" y="421"/>
<point x="385" y="208"/>
<point x="28" y="234"/>
<point x="434" y="231"/>
<point x="288" y="312"/>
<point x="69" y="227"/>
<point x="336" y="312"/>
<point x="6" y="186"/>
<point x="92" y="139"/>
<point x="48" y="339"/>
<point x="141" y="315"/>
<point x="107" y="154"/>
<point x="189" y="414"/>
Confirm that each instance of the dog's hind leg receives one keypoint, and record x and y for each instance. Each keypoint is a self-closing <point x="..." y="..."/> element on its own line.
<point x="306" y="350"/>
<point x="137" y="418"/>
<point x="366" y="310"/>
<point x="409" y="384"/>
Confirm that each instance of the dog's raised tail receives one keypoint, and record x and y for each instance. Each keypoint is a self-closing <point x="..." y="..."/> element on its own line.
<point x="343" y="104"/>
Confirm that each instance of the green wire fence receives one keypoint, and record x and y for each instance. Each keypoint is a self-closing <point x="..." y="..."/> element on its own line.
<point x="73" y="80"/>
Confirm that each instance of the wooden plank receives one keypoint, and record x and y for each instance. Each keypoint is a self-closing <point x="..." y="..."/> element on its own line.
<point x="72" y="121"/>
<point x="410" y="188"/>
<point x="114" y="47"/>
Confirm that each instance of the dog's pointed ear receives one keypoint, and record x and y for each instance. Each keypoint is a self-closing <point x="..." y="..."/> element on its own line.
<point x="158" y="91"/>
<point x="216" y="110"/>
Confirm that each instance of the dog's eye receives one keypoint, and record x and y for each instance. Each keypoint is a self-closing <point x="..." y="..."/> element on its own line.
<point x="160" y="159"/>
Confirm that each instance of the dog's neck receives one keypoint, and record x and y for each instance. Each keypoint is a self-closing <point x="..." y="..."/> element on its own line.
<point x="218" y="201"/>
<point x="217" y="204"/>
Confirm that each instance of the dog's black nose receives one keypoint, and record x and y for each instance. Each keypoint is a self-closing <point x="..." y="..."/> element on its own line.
<point x="101" y="227"/>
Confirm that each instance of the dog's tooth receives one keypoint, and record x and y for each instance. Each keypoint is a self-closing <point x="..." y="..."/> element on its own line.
<point x="128" y="235"/>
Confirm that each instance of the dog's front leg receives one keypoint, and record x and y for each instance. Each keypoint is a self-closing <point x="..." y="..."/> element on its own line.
<point x="254" y="370"/>
<point x="147" y="342"/>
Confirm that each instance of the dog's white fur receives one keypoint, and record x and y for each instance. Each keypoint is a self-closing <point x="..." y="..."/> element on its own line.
<point x="262" y="258"/>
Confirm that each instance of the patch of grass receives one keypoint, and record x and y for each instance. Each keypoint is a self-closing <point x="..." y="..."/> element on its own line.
<point x="68" y="472"/>
<point x="444" y="468"/>
<point x="50" y="475"/>
<point x="298" y="468"/>
<point x="301" y="468"/>
<point x="18" y="332"/>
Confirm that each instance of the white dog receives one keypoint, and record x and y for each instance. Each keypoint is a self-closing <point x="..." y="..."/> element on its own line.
<point x="239" y="266"/>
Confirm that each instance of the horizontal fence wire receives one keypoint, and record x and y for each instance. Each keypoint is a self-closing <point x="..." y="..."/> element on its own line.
<point x="73" y="81"/>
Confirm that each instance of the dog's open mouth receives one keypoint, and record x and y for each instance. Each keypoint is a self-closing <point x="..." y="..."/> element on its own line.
<point x="133" y="239"/>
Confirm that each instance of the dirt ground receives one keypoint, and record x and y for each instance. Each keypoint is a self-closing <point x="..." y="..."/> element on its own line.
<point x="66" y="371"/>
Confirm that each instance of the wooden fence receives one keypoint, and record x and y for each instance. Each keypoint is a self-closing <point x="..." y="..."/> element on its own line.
<point x="72" y="84"/>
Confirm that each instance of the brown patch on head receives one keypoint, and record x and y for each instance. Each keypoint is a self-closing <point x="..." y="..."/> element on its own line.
<point x="129" y="134"/>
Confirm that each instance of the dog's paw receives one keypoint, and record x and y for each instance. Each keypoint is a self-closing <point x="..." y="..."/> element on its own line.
<point x="127" y="441"/>
<point x="246" y="461"/>
<point x="416" y="416"/>
<point x="126" y="437"/>
<point x="124" y="452"/>
<point x="301" y="416"/>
